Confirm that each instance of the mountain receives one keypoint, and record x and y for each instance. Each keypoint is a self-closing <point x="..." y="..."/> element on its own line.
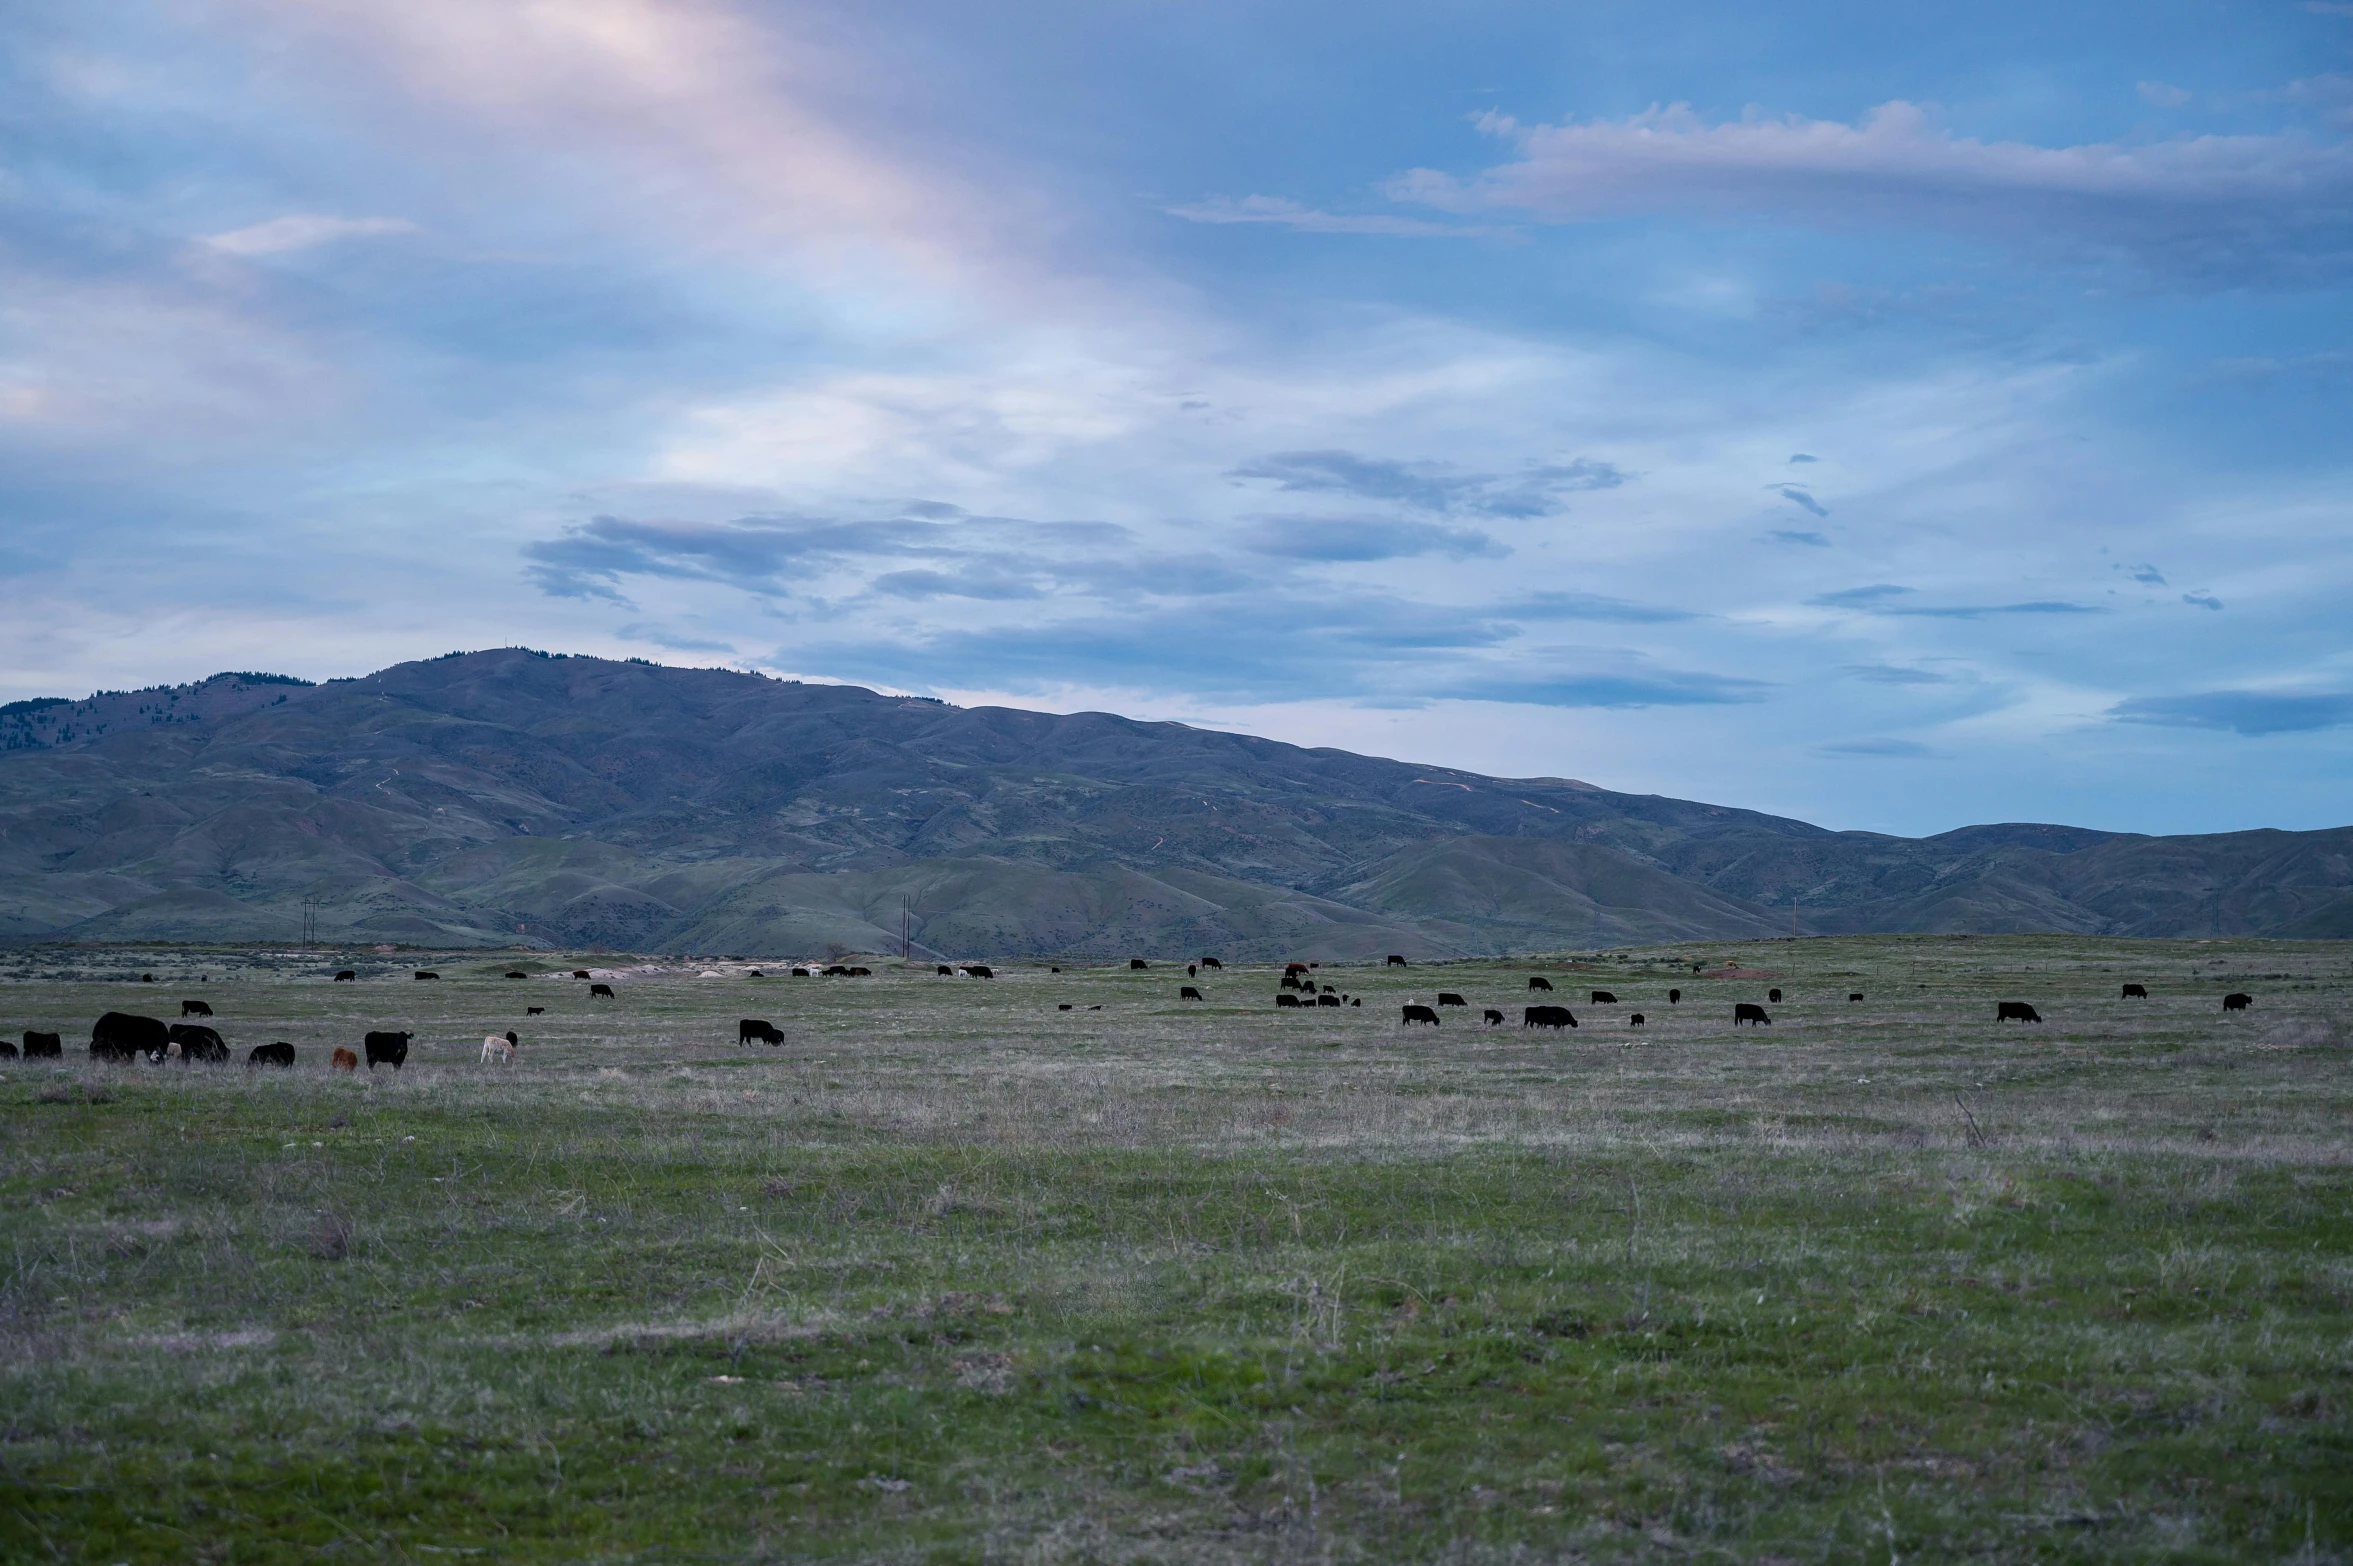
<point x="506" y="797"/>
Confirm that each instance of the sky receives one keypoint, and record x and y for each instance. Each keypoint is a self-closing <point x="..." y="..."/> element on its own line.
<point x="1897" y="417"/>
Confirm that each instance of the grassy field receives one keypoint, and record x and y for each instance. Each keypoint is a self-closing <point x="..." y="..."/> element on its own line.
<point x="953" y="1274"/>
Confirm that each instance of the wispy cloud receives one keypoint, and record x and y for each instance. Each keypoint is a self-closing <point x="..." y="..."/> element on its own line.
<point x="1533" y="491"/>
<point x="2201" y="600"/>
<point x="1799" y="495"/>
<point x="1348" y="538"/>
<point x="1894" y="674"/>
<point x="1589" y="606"/>
<point x="303" y="231"/>
<point x="1308" y="220"/>
<point x="2240" y="712"/>
<point x="1858" y="597"/>
<point x="1793" y="536"/>
<point x="1879" y="749"/>
<point x="1883" y="598"/>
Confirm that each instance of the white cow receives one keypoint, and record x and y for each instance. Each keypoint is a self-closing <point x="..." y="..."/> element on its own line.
<point x="499" y="1047"/>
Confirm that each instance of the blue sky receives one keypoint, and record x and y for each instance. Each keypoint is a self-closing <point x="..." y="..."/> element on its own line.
<point x="1898" y="417"/>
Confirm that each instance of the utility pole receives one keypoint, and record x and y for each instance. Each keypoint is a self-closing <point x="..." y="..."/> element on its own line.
<point x="310" y="921"/>
<point x="906" y="928"/>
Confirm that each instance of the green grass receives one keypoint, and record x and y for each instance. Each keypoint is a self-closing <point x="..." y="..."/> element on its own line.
<point x="955" y="1275"/>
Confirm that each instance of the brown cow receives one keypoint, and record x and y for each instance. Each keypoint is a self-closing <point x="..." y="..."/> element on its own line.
<point x="345" y="1060"/>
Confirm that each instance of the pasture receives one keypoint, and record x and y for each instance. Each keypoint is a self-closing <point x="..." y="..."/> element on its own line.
<point x="954" y="1274"/>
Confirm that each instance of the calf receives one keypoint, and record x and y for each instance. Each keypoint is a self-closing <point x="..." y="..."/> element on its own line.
<point x="500" y="1048"/>
<point x="198" y="1043"/>
<point x="1187" y="992"/>
<point x="606" y="990"/>
<point x="43" y="1046"/>
<point x="1285" y="999"/>
<point x="2135" y="992"/>
<point x="1538" y="982"/>
<point x="1396" y="961"/>
<point x="1634" y="1021"/>
<point x="1546" y="1017"/>
<point x="757" y="1028"/>
<point x="2020" y="1011"/>
<point x="1417" y="1014"/>
<point x="427" y="973"/>
<point x="195" y="1009"/>
<point x="1774" y="996"/>
<point x="119" y="1035"/>
<point x="390" y="1049"/>
<point x="1602" y="998"/>
<point x="1449" y="998"/>
<point x="1212" y="962"/>
<point x="1493" y="1018"/>
<point x="280" y="1054"/>
<point x="1137" y="965"/>
<point x="1750" y="1013"/>
<point x="2237" y="1000"/>
<point x="346" y="976"/>
<point x="344" y="1060"/>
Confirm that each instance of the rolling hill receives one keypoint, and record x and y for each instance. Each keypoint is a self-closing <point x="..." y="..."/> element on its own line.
<point x="514" y="797"/>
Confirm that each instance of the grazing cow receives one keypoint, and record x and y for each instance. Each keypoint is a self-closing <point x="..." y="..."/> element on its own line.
<point x="757" y="1028"/>
<point x="1294" y="967"/>
<point x="1212" y="962"/>
<point x="1634" y="1021"/>
<point x="1187" y="992"/>
<point x="2005" y="1011"/>
<point x="2237" y="1000"/>
<point x="390" y="1049"/>
<point x="2135" y="992"/>
<point x="533" y="1011"/>
<point x="1540" y="983"/>
<point x="800" y="973"/>
<point x="834" y="971"/>
<point x="1546" y="1017"/>
<point x="1774" y="996"/>
<point x="606" y="990"/>
<point x="345" y="1060"/>
<point x="1328" y="1000"/>
<point x="43" y="1046"/>
<point x="1192" y="970"/>
<point x="279" y="1054"/>
<point x="861" y="973"/>
<point x="1289" y="981"/>
<point x="195" y="1009"/>
<point x="579" y="973"/>
<point x="1447" y="998"/>
<point x="517" y="973"/>
<point x="1602" y="998"/>
<point x="755" y="974"/>
<point x="427" y="973"/>
<point x="1137" y="965"/>
<point x="1856" y="996"/>
<point x="198" y="1042"/>
<point x="346" y="976"/>
<point x="7" y="1050"/>
<point x="499" y="1048"/>
<point x="980" y="970"/>
<point x="1674" y="997"/>
<point x="1750" y="1013"/>
<point x="1286" y="998"/>
<point x="121" y="1036"/>
<point x="1396" y="961"/>
<point x="945" y="971"/>
<point x="1065" y="1006"/>
<point x="1417" y="1014"/>
<point x="1491" y="1017"/>
<point x="1331" y="989"/>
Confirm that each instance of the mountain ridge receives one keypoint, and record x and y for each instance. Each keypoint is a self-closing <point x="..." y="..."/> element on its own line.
<point x="511" y="796"/>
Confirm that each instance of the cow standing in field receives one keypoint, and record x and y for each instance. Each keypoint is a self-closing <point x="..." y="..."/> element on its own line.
<point x="979" y="970"/>
<point x="280" y="1054"/>
<point x="1774" y="996"/>
<point x="43" y="1046"/>
<point x="195" y="1009"/>
<point x="1137" y="965"/>
<point x="757" y="1028"/>
<point x="1674" y="997"/>
<point x="2015" y="1011"/>
<point x="1212" y="962"/>
<point x="1284" y="1000"/>
<point x="120" y="1035"/>
<point x="1750" y="1013"/>
<point x="1492" y="1017"/>
<point x="533" y="1011"/>
<point x="1396" y="961"/>
<point x="1449" y="998"/>
<point x="1329" y="999"/>
<point x="390" y="1049"/>
<point x="344" y="1060"/>
<point x="2237" y="1000"/>
<point x="2135" y="992"/>
<point x="1539" y="982"/>
<point x="427" y="973"/>
<point x="944" y="971"/>
<point x="1187" y="992"/>
<point x="197" y="1042"/>
<point x="1418" y="1014"/>
<point x="1602" y="997"/>
<point x="606" y="990"/>
<point x="1856" y="996"/>
<point x="500" y="1047"/>
<point x="579" y="973"/>
<point x="346" y="976"/>
<point x="1547" y="1017"/>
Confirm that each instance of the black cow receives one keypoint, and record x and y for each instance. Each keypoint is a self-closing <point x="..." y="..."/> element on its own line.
<point x="1187" y="992"/>
<point x="980" y="970"/>
<point x="517" y="973"/>
<point x="2237" y="1000"/>
<point x="606" y="990"/>
<point x="835" y="971"/>
<point x="43" y="1046"/>
<point x="346" y="976"/>
<point x="1329" y="1000"/>
<point x="1065" y="1006"/>
<point x="1634" y="1021"/>
<point x="2135" y="992"/>
<point x="1289" y="981"/>
<point x="1493" y="1018"/>
<point x="1192" y="970"/>
<point x="533" y="1011"/>
<point x="800" y="973"/>
<point x="1674" y="997"/>
<point x="2006" y="1011"/>
<point x="198" y="1042"/>
<point x="388" y="1048"/>
<point x="1540" y="983"/>
<point x="1330" y="989"/>
<point x="195" y="1009"/>
<point x="755" y="974"/>
<point x="1418" y="1014"/>
<point x="579" y="973"/>
<point x="1750" y="1013"/>
<point x="427" y="973"/>
<point x="1286" y="998"/>
<point x="1212" y="962"/>
<point x="1449" y="998"/>
<point x="278" y="1054"/>
<point x="1856" y="996"/>
<point x="121" y="1036"/>
<point x="946" y="972"/>
<point x="861" y="973"/>
<point x="1546" y="1017"/>
<point x="1396" y="961"/>
<point x="757" y="1028"/>
<point x="1774" y="996"/>
<point x="1137" y="965"/>
<point x="1603" y="998"/>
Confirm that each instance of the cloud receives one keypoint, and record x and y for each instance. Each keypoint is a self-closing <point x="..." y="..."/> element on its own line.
<point x="1534" y="491"/>
<point x="2163" y="94"/>
<point x="1799" y="495"/>
<point x="658" y="637"/>
<point x="989" y="585"/>
<point x="1800" y="456"/>
<point x="2218" y="209"/>
<point x="1631" y="688"/>
<point x="1858" y="597"/>
<point x="1883" y="749"/>
<point x="748" y="553"/>
<point x="302" y="231"/>
<point x="1290" y="214"/>
<point x="1878" y="599"/>
<point x="2201" y="600"/>
<point x="1589" y="606"/>
<point x="2146" y="573"/>
<point x="2241" y="712"/>
<point x="1349" y="539"/>
<point x="1891" y="674"/>
<point x="1791" y="536"/>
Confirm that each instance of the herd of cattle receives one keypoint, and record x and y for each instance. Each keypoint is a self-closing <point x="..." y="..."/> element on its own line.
<point x="123" y="1036"/>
